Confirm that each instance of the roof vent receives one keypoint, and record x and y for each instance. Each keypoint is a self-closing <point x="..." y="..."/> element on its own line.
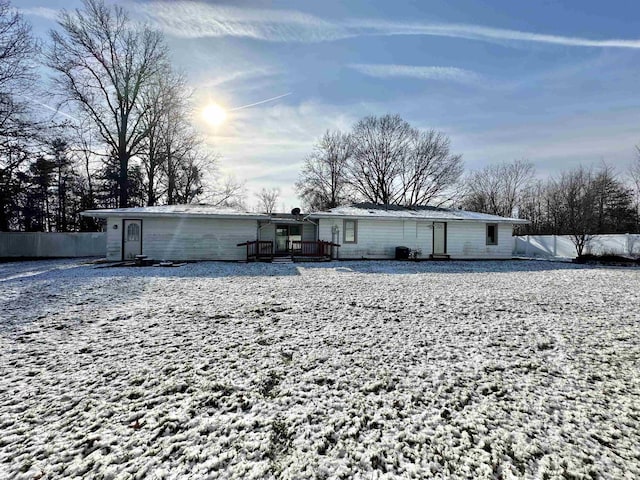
<point x="295" y="211"/>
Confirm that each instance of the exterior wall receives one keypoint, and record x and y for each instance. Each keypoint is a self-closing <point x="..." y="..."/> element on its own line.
<point x="379" y="238"/>
<point x="308" y="232"/>
<point x="59" y="244"/>
<point x="469" y="240"/>
<point x="267" y="232"/>
<point x="114" y="239"/>
<point x="175" y="238"/>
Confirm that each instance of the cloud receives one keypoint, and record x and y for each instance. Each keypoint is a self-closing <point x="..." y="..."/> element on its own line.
<point x="44" y="12"/>
<point x="418" y="72"/>
<point x="478" y="32"/>
<point x="195" y="20"/>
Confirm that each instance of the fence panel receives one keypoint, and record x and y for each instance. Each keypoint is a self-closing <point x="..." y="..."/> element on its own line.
<point x="562" y="246"/>
<point x="41" y="244"/>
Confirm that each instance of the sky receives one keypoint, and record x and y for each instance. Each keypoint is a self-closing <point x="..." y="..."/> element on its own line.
<point x="554" y="82"/>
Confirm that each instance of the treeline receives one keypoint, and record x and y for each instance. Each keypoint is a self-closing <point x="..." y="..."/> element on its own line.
<point x="580" y="202"/>
<point x="386" y="161"/>
<point x="126" y="138"/>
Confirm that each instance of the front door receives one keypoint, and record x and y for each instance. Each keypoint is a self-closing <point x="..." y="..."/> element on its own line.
<point x="132" y="239"/>
<point x="439" y="238"/>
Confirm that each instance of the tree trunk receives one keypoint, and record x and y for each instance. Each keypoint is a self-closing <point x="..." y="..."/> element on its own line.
<point x="123" y="180"/>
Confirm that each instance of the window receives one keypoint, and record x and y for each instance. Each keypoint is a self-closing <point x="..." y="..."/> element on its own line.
<point x="350" y="231"/>
<point x="295" y="230"/>
<point x="492" y="234"/>
<point x="133" y="232"/>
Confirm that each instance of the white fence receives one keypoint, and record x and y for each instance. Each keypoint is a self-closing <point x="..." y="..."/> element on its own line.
<point x="39" y="244"/>
<point x="562" y="246"/>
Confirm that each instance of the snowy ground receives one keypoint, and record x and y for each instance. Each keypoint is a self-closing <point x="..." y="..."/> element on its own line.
<point x="346" y="370"/>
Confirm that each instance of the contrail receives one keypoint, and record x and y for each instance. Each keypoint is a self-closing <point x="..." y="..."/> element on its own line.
<point x="259" y="103"/>
<point x="58" y="112"/>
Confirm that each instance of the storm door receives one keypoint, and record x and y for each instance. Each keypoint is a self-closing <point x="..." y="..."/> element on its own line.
<point x="282" y="238"/>
<point x="132" y="239"/>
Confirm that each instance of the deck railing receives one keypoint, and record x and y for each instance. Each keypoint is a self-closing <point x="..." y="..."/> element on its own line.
<point x="259" y="249"/>
<point x="263" y="249"/>
<point x="318" y="248"/>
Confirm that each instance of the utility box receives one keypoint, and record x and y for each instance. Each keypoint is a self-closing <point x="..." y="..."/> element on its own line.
<point x="402" y="253"/>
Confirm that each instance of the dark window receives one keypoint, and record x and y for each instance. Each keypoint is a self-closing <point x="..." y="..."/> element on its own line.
<point x="295" y="230"/>
<point x="492" y="234"/>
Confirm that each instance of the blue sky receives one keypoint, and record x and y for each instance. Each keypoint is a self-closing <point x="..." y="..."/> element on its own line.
<point x="554" y="82"/>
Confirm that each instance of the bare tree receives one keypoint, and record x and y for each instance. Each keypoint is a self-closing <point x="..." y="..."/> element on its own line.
<point x="104" y="63"/>
<point x="268" y="199"/>
<point x="17" y="128"/>
<point x="323" y="180"/>
<point x="634" y="174"/>
<point x="614" y="209"/>
<point x="429" y="169"/>
<point x="17" y="50"/>
<point x="227" y="192"/>
<point x="189" y="183"/>
<point x="164" y="115"/>
<point x="383" y="160"/>
<point x="534" y="206"/>
<point x="577" y="194"/>
<point x="380" y="148"/>
<point x="498" y="189"/>
<point x="179" y="142"/>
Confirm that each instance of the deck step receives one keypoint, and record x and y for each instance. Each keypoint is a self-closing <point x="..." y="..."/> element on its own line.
<point x="282" y="260"/>
<point x="439" y="256"/>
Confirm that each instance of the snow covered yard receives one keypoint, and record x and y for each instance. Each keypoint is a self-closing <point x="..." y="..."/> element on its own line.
<point x="364" y="370"/>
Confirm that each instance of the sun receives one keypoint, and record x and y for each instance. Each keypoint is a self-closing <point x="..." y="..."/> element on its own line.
<point x="214" y="114"/>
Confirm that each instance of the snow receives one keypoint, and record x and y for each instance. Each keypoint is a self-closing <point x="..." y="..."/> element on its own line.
<point x="198" y="210"/>
<point x="419" y="213"/>
<point x="363" y="370"/>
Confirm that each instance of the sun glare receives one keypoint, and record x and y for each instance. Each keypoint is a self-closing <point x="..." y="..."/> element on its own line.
<point x="214" y="114"/>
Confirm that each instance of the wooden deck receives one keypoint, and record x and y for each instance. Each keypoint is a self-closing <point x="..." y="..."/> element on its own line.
<point x="259" y="250"/>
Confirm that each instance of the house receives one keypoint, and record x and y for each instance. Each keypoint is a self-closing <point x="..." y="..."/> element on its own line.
<point x="361" y="231"/>
<point x="177" y="232"/>
<point x="374" y="231"/>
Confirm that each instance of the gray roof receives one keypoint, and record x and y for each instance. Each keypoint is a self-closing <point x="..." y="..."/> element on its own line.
<point x="204" y="211"/>
<point x="390" y="212"/>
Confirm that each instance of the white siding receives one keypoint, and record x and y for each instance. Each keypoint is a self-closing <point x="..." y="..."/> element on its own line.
<point x="469" y="240"/>
<point x="267" y="232"/>
<point x="308" y="232"/>
<point x="187" y="238"/>
<point x="114" y="239"/>
<point x="425" y="235"/>
<point x="379" y="238"/>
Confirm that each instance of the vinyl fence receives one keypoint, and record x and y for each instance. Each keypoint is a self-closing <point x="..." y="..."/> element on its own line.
<point x="38" y="244"/>
<point x="561" y="245"/>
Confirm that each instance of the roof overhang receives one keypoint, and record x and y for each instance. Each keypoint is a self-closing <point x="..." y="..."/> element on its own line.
<point x="286" y="221"/>
<point x="106" y="213"/>
<point x="512" y="221"/>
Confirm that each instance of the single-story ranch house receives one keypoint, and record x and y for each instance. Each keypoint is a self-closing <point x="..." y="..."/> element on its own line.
<point x="361" y="231"/>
